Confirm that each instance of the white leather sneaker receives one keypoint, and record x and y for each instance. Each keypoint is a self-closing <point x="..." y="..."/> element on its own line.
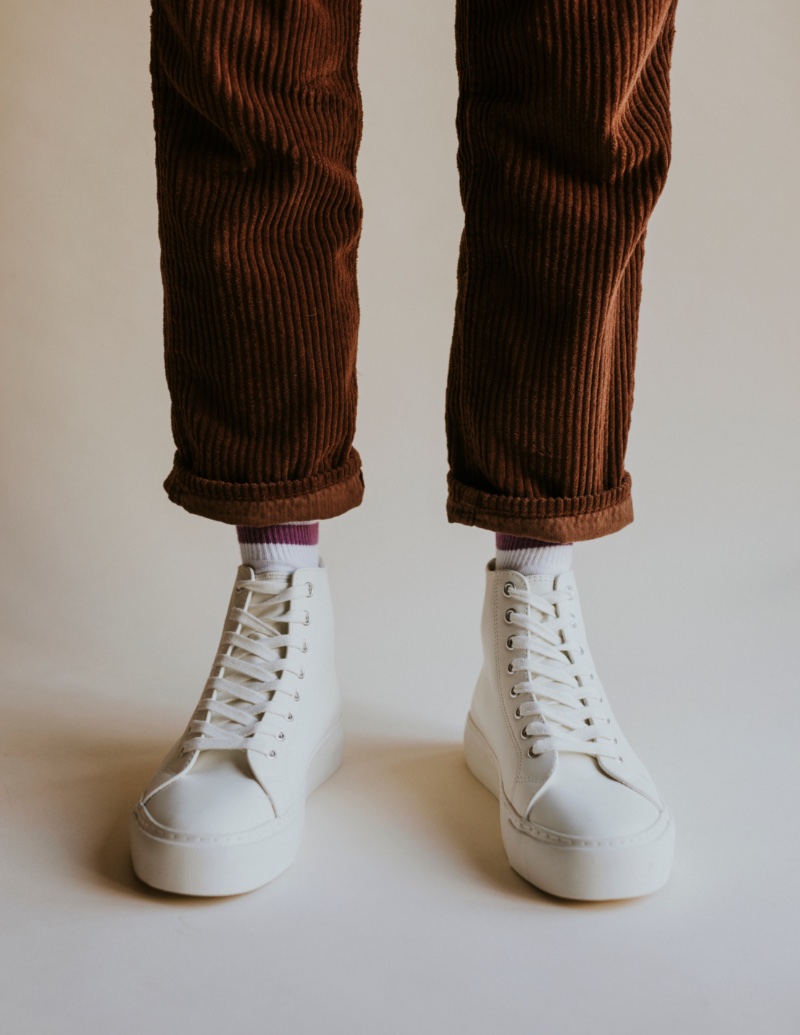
<point x="224" y="814"/>
<point x="580" y="816"/>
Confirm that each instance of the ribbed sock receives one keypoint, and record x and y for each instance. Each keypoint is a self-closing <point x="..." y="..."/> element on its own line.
<point x="280" y="547"/>
<point x="530" y="556"/>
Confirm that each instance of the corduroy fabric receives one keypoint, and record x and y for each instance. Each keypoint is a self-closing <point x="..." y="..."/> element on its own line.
<point x="258" y="121"/>
<point x="564" y="145"/>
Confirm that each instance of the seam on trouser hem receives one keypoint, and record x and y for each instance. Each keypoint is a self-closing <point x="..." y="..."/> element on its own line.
<point x="554" y="520"/>
<point x="268" y="503"/>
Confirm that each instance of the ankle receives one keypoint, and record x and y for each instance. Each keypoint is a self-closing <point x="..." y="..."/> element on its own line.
<point x="280" y="547"/>
<point x="532" y="556"/>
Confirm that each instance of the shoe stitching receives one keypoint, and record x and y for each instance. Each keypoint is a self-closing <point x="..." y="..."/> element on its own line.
<point x="539" y="833"/>
<point x="261" y="833"/>
<point x="549" y="838"/>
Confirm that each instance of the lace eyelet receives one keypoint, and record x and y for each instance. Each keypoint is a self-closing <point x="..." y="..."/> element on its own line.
<point x="517" y="714"/>
<point x="302" y="673"/>
<point x="524" y="735"/>
<point x="281" y="735"/>
<point x="507" y="616"/>
<point x="582" y="650"/>
<point x="532" y="753"/>
<point x="310" y="588"/>
<point x="513" y="692"/>
<point x="304" y="648"/>
<point x="507" y="588"/>
<point x="296" y="696"/>
<point x="510" y="643"/>
<point x="307" y="619"/>
<point x="289" y="717"/>
<point x="510" y="668"/>
<point x="574" y="622"/>
<point x="272" y="754"/>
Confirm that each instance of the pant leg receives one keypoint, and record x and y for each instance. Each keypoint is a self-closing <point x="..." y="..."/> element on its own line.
<point x="564" y="144"/>
<point x="258" y="122"/>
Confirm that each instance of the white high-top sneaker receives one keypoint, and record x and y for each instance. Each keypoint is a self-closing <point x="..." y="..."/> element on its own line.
<point x="580" y="816"/>
<point x="224" y="814"/>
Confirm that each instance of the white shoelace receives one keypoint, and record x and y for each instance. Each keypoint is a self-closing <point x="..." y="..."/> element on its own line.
<point x="244" y="712"/>
<point x="566" y="709"/>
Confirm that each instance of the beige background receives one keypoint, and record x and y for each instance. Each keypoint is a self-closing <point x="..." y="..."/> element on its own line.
<point x="401" y="914"/>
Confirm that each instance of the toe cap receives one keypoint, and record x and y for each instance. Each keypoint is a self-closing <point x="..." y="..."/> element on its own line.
<point x="581" y="801"/>
<point x="217" y="795"/>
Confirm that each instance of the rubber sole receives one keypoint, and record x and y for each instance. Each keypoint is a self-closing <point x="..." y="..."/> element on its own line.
<point x="228" y="865"/>
<point x="586" y="871"/>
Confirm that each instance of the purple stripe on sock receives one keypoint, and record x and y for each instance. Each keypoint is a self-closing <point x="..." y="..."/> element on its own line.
<point x="518" y="542"/>
<point x="292" y="534"/>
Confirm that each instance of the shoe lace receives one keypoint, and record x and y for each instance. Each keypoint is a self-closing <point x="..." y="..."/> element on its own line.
<point x="565" y="710"/>
<point x="237" y="710"/>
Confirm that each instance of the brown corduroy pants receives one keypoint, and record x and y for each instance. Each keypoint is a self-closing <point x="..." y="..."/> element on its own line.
<point x="564" y="144"/>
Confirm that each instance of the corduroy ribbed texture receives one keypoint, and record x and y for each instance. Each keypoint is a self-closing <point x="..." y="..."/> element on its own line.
<point x="564" y="144"/>
<point x="258" y="121"/>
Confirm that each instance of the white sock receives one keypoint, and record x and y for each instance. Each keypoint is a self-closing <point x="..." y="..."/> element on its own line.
<point x="280" y="547"/>
<point x="531" y="556"/>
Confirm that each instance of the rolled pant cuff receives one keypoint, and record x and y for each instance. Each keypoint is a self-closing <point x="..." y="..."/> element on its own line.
<point x="557" y="520"/>
<point x="268" y="503"/>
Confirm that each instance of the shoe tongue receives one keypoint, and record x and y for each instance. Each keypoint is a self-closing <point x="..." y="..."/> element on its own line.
<point x="541" y="583"/>
<point x="272" y="574"/>
<point x="275" y="578"/>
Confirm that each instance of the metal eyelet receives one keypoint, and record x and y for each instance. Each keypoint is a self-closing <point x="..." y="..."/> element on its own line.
<point x="513" y="692"/>
<point x="506" y="588"/>
<point x="302" y="673"/>
<point x="517" y="714"/>
<point x="307" y="619"/>
<point x="281" y="735"/>
<point x="510" y="668"/>
<point x="510" y="643"/>
<point x="310" y="589"/>
<point x="524" y="735"/>
<point x="272" y="754"/>
<point x="509" y="612"/>
<point x="296" y="696"/>
<point x="532" y="753"/>
<point x="290" y="717"/>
